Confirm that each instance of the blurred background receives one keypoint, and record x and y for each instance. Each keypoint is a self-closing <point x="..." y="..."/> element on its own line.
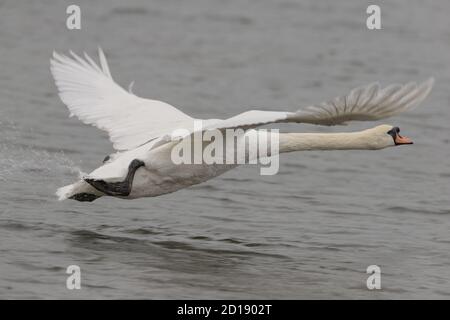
<point x="308" y="232"/>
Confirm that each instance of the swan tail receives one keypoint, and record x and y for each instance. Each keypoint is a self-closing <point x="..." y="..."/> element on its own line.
<point x="80" y="191"/>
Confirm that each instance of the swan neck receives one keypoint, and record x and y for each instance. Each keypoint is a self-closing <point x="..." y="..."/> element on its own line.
<point x="323" y="141"/>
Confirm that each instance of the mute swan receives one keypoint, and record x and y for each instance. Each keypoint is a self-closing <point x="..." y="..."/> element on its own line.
<point x="140" y="129"/>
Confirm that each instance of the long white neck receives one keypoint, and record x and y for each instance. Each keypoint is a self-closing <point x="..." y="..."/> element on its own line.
<point x="325" y="141"/>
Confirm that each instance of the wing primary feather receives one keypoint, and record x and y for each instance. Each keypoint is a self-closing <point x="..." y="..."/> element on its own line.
<point x="364" y="103"/>
<point x="91" y="94"/>
<point x="103" y="62"/>
<point x="92" y="62"/>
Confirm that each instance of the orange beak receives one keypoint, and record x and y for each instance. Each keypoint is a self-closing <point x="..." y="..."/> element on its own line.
<point x="402" y="140"/>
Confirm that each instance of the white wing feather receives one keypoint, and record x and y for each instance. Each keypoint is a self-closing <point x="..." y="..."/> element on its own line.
<point x="91" y="94"/>
<point x="366" y="103"/>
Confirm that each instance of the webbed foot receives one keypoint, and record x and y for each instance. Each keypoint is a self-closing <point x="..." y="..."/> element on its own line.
<point x="122" y="188"/>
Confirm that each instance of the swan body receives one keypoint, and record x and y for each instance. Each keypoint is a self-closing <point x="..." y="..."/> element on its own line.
<point x="142" y="130"/>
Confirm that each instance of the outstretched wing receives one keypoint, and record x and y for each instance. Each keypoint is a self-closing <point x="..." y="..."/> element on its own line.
<point x="367" y="103"/>
<point x="91" y="94"/>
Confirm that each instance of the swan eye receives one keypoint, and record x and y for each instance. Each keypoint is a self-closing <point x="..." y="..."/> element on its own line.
<point x="393" y="132"/>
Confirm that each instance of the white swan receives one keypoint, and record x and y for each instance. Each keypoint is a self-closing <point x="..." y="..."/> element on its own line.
<point x="140" y="129"/>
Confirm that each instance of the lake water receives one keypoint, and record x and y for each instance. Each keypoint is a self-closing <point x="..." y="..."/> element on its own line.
<point x="308" y="232"/>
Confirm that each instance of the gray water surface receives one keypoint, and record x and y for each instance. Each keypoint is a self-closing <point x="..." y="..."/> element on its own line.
<point x="308" y="232"/>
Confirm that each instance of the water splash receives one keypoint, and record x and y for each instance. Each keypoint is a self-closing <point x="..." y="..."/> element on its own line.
<point x="27" y="160"/>
<point x="18" y="161"/>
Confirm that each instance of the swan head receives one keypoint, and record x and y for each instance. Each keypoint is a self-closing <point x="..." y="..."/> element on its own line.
<point x="384" y="136"/>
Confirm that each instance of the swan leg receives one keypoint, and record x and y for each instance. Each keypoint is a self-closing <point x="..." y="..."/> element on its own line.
<point x="122" y="188"/>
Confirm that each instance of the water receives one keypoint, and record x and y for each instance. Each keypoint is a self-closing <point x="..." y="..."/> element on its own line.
<point x="308" y="232"/>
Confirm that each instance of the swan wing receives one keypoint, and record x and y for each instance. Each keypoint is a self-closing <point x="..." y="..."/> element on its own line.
<point x="95" y="98"/>
<point x="364" y="103"/>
